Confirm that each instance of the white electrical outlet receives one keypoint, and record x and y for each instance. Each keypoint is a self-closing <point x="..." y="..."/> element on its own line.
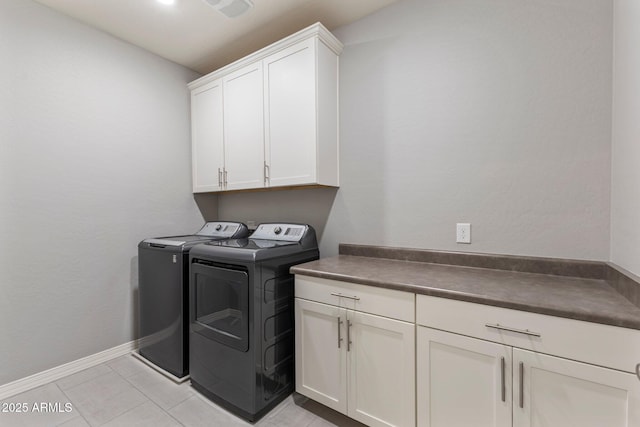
<point x="463" y="232"/>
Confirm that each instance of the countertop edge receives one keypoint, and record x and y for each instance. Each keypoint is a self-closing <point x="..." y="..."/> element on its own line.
<point x="474" y="298"/>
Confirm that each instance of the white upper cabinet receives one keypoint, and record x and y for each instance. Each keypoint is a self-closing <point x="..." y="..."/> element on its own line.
<point x="278" y="120"/>
<point x="301" y="115"/>
<point x="243" y="128"/>
<point x="207" y="145"/>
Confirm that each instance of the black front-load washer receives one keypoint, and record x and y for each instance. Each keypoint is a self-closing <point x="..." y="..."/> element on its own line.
<point x="163" y="278"/>
<point x="241" y="317"/>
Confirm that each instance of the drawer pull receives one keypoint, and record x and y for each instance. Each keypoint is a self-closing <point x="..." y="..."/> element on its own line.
<point x="502" y="379"/>
<point x="638" y="370"/>
<point x="339" y="336"/>
<point x="518" y="331"/>
<point x="345" y="296"/>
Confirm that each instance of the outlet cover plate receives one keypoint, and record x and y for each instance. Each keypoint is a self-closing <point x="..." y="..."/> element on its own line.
<point x="463" y="232"/>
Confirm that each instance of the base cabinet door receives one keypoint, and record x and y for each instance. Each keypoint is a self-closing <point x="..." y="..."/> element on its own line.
<point x="359" y="364"/>
<point x="555" y="392"/>
<point x="462" y="381"/>
<point x="381" y="355"/>
<point x="321" y="365"/>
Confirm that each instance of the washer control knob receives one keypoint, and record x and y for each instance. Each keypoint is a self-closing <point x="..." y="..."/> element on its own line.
<point x="218" y="227"/>
<point x="277" y="230"/>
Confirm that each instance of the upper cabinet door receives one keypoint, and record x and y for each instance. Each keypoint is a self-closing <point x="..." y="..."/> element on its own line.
<point x="550" y="391"/>
<point x="301" y="115"/>
<point x="207" y="137"/>
<point x="244" y="128"/>
<point x="290" y="115"/>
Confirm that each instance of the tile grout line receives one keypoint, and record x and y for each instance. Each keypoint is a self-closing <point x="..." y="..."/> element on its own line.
<point x="166" y="411"/>
<point x="94" y="378"/>
<point x="76" y="407"/>
<point x="149" y="400"/>
<point x="83" y="382"/>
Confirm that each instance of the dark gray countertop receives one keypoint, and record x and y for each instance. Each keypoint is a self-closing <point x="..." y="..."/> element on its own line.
<point x="592" y="300"/>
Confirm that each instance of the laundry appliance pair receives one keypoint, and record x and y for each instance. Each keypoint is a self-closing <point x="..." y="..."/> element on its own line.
<point x="240" y="313"/>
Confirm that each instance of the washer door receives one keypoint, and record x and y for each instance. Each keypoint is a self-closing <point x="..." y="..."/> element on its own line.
<point x="220" y="304"/>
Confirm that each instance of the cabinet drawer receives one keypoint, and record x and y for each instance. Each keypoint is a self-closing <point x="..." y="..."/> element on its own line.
<point x="594" y="343"/>
<point x="369" y="299"/>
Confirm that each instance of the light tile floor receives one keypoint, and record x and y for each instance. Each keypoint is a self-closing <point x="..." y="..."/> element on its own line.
<point x="125" y="392"/>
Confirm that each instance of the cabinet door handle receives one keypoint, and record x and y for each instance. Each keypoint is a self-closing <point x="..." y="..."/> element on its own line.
<point x="339" y="335"/>
<point x="267" y="173"/>
<point x="349" y="334"/>
<point x="225" y="177"/>
<point x="521" y="385"/>
<point x="638" y="370"/>
<point x="502" y="379"/>
<point x="345" y="296"/>
<point x="219" y="178"/>
<point x="518" y="331"/>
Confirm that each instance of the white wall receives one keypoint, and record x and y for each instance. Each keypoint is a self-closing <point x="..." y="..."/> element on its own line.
<point x="496" y="113"/>
<point x="625" y="191"/>
<point x="94" y="157"/>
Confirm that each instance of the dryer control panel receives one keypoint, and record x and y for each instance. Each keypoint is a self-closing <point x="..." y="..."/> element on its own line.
<point x="222" y="229"/>
<point x="276" y="231"/>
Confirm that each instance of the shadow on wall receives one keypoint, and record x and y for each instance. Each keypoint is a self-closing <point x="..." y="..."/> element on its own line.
<point x="307" y="206"/>
<point x="208" y="205"/>
<point x="135" y="296"/>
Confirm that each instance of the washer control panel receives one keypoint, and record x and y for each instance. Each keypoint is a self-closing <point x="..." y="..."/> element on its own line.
<point x="219" y="229"/>
<point x="284" y="232"/>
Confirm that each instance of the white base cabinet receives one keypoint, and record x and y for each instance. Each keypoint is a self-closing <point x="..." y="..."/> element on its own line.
<point x="464" y="381"/>
<point x="381" y="370"/>
<point x="558" y="392"/>
<point x="321" y="363"/>
<point x="391" y="358"/>
<point x="360" y="364"/>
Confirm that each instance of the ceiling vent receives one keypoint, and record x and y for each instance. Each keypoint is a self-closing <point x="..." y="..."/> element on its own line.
<point x="231" y="8"/>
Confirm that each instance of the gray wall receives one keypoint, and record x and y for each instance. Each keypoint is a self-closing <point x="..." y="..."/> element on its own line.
<point x="625" y="192"/>
<point x="496" y="113"/>
<point x="94" y="157"/>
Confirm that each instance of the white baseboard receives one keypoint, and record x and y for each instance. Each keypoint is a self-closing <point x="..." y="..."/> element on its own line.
<point x="53" y="374"/>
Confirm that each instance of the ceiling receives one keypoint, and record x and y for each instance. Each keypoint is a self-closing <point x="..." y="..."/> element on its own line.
<point x="194" y="34"/>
